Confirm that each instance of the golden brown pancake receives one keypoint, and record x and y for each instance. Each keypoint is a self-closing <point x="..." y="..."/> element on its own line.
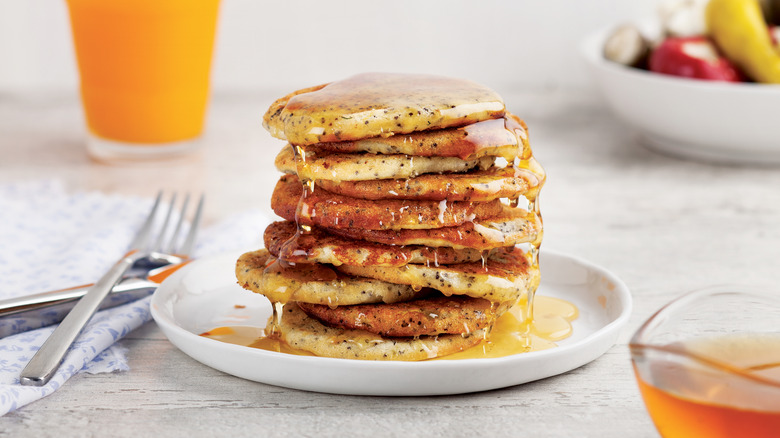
<point x="314" y="283"/>
<point x="504" y="277"/>
<point x="506" y="138"/>
<point x="499" y="281"/>
<point x="323" y="165"/>
<point x="475" y="185"/>
<point x="512" y="227"/>
<point x="379" y="104"/>
<point x="319" y="246"/>
<point x="426" y="316"/>
<point x="303" y="332"/>
<point x="330" y="210"/>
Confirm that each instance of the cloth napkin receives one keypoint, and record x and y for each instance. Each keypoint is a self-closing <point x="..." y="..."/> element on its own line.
<point x="53" y="239"/>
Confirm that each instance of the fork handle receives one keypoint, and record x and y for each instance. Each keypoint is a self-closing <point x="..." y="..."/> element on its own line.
<point x="48" y="358"/>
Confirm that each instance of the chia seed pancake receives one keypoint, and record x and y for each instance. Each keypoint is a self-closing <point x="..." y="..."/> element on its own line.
<point x="475" y="185"/>
<point x="379" y="104"/>
<point x="320" y="246"/>
<point x="258" y="272"/>
<point x="499" y="281"/>
<point x="426" y="316"/>
<point x="504" y="278"/>
<point x="512" y="227"/>
<point x="330" y="210"/>
<point x="323" y="165"/>
<point x="301" y="331"/>
<point x="506" y="138"/>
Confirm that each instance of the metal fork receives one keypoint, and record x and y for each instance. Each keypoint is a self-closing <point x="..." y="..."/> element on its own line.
<point x="143" y="250"/>
<point x="46" y="308"/>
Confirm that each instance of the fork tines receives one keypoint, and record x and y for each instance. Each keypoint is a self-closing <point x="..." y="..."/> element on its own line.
<point x="172" y="246"/>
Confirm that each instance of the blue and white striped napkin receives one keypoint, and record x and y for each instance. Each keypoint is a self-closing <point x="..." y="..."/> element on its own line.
<point x="53" y="239"/>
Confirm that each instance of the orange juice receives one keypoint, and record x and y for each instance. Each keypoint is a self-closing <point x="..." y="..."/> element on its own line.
<point x="144" y="66"/>
<point x="701" y="399"/>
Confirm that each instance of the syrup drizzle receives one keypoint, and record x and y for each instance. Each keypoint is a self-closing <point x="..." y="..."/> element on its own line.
<point x="528" y="165"/>
<point x="302" y="211"/>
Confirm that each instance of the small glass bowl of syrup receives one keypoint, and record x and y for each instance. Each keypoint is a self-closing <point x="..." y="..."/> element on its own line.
<point x="708" y="364"/>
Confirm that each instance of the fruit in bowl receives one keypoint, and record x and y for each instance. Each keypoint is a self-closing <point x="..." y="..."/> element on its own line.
<point x="692" y="57"/>
<point x="720" y="40"/>
<point x="683" y="103"/>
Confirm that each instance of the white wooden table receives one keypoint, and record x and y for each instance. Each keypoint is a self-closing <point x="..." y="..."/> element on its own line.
<point x="665" y="226"/>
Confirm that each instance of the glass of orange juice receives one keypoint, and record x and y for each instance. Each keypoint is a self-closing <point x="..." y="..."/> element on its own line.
<point x="144" y="67"/>
<point x="708" y="364"/>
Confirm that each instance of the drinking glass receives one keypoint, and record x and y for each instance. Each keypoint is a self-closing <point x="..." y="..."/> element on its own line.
<point x="144" y="69"/>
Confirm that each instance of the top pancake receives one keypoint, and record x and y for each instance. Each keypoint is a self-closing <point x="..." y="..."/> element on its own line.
<point x="379" y="104"/>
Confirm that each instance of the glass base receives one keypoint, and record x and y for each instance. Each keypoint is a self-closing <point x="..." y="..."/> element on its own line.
<point x="111" y="151"/>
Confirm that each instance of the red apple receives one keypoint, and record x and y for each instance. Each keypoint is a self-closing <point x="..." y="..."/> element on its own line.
<point x="692" y="57"/>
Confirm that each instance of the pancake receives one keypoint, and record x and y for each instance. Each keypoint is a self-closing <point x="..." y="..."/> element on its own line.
<point x="379" y="104"/>
<point x="475" y="185"/>
<point x="506" y="138"/>
<point x="426" y="316"/>
<point x="321" y="165"/>
<point x="313" y="283"/>
<point x="504" y="278"/>
<point x="320" y="246"/>
<point x="326" y="209"/>
<point x="512" y="227"/>
<point x="306" y="333"/>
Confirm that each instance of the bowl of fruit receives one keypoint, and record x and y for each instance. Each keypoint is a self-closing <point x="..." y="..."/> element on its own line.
<point x="702" y="81"/>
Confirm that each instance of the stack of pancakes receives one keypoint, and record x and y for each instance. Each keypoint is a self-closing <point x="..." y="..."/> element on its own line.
<point x="402" y="233"/>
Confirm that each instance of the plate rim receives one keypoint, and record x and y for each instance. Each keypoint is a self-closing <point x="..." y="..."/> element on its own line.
<point x="622" y="292"/>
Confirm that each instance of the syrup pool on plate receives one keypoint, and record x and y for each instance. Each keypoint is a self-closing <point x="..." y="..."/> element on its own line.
<point x="510" y="335"/>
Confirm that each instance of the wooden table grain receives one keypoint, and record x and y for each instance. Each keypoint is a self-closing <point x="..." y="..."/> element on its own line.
<point x="665" y="226"/>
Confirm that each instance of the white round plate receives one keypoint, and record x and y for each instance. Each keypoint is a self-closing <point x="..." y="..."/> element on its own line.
<point x="204" y="295"/>
<point x="732" y="123"/>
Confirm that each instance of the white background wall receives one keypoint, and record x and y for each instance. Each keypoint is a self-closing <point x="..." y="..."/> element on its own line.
<point x="279" y="45"/>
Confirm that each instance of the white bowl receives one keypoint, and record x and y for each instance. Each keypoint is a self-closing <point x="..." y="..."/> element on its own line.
<point x="708" y="120"/>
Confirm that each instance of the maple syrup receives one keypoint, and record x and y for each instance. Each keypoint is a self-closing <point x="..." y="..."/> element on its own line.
<point x="529" y="164"/>
<point x="253" y="337"/>
<point x="722" y="386"/>
<point x="303" y="211"/>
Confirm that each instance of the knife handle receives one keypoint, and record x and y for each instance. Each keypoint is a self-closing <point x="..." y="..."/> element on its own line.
<point x="29" y="302"/>
<point x="29" y="313"/>
<point x="39" y="310"/>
